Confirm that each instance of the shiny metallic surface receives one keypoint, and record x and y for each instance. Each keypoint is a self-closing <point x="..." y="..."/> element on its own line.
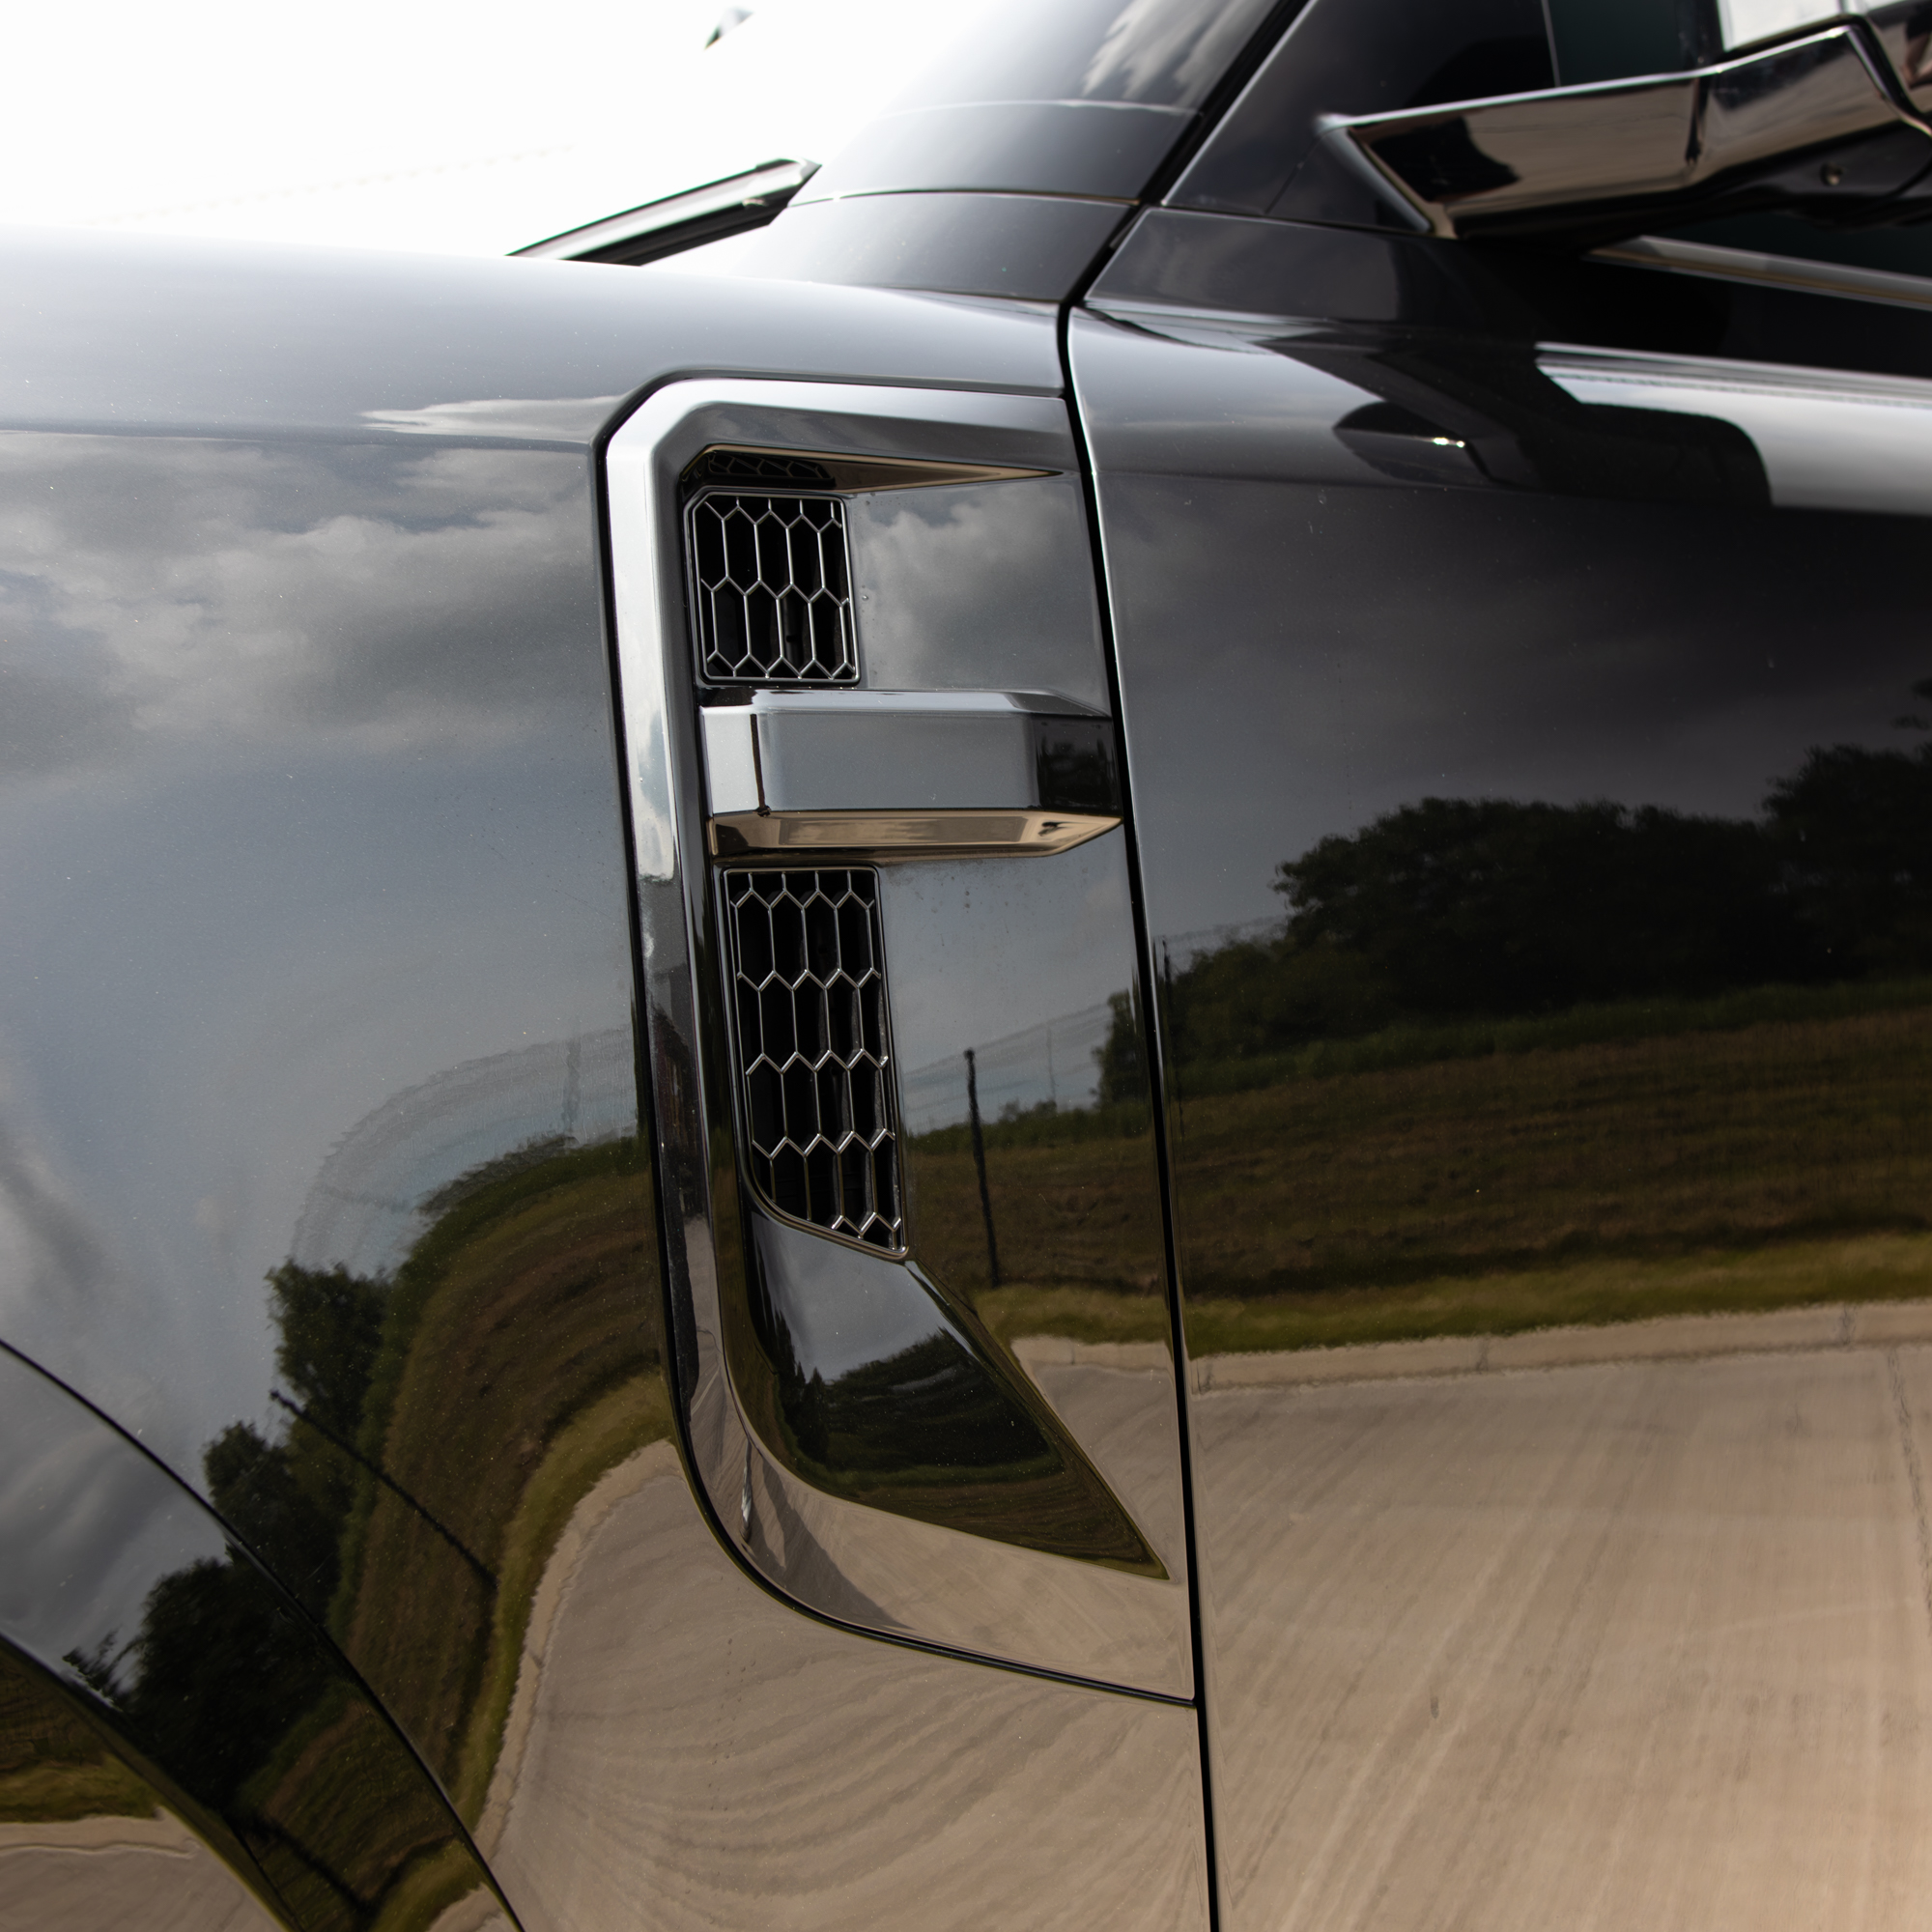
<point x="1104" y="148"/>
<point x="887" y="835"/>
<point x="817" y="1080"/>
<point x="908" y="774"/>
<point x="1751" y="266"/>
<point x="1359" y="57"/>
<point x="1242" y="279"/>
<point x="839" y="469"/>
<point x="771" y="588"/>
<point x="1632" y="153"/>
<point x="254" y="718"/>
<point x="1544" y="1059"/>
<point x="323" y="716"/>
<point x="331" y="1185"/>
<point x="1451" y="120"/>
<point x="687" y="1739"/>
<point x="467" y="1469"/>
<point x="229" y="337"/>
<point x="678" y="221"/>
<point x="780" y="1333"/>
<point x="1901" y="31"/>
<point x="1024" y="146"/>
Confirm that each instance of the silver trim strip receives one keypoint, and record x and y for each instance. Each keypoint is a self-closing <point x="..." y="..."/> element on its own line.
<point x="683" y="219"/>
<point x="884" y="837"/>
<point x="1781" y="271"/>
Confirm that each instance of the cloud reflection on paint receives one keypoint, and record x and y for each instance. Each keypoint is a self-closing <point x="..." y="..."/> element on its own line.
<point x="168" y="589"/>
<point x="308" y="762"/>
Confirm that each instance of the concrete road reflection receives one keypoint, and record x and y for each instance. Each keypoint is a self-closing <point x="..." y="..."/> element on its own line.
<point x="690" y="1752"/>
<point x="1579" y="1642"/>
<point x="152" y="1872"/>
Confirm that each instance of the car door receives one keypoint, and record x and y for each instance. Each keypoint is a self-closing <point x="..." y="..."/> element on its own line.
<point x="1527" y="715"/>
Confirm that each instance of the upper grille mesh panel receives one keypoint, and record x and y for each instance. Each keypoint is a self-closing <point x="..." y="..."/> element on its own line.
<point x="772" y="589"/>
<point x="809" y="989"/>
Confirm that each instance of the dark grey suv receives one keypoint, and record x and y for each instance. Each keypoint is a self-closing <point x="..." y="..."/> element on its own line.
<point x="1037" y="1033"/>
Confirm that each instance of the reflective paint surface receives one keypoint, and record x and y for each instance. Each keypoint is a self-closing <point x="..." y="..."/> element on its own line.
<point x="867" y="1430"/>
<point x="691" y="1738"/>
<point x="173" y="1646"/>
<point x="1532" y="762"/>
<point x="86" y="1841"/>
<point x="321" y="1165"/>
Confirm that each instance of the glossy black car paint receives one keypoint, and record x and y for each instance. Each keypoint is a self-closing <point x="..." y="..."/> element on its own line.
<point x="324" y="1176"/>
<point x="1571" y="701"/>
<point x="320" y="970"/>
<point x="174" y="1676"/>
<point x="1526" y="726"/>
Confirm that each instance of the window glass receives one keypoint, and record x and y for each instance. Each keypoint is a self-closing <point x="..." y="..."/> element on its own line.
<point x="1159" y="53"/>
<point x="1606" y="39"/>
<point x="1362" y="57"/>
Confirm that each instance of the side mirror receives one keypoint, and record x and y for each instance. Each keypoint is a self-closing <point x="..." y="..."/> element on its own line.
<point x="1821" y="124"/>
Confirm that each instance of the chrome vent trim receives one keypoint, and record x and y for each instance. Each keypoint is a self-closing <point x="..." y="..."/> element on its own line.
<point x="771" y="585"/>
<point x="815" y="1069"/>
<point x="675" y="222"/>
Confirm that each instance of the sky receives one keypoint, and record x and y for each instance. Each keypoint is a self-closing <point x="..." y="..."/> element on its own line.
<point x="426" y="125"/>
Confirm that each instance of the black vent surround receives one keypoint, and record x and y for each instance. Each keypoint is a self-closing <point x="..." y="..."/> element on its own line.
<point x="809" y="996"/>
<point x="760" y="465"/>
<point x="771" y="588"/>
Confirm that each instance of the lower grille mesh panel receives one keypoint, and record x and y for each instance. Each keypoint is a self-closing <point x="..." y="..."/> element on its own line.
<point x="808" y="993"/>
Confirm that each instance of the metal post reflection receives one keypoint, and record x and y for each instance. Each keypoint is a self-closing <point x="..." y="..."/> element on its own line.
<point x="979" y="1167"/>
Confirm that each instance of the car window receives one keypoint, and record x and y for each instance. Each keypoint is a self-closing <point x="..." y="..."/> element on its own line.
<point x="1357" y="57"/>
<point x="1157" y="53"/>
<point x="1606" y="39"/>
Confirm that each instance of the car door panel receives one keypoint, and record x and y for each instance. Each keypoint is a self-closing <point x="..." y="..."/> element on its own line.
<point x="1542" y="1047"/>
<point x="1082" y="1082"/>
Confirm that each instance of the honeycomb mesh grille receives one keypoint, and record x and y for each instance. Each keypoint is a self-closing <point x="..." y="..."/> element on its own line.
<point x="772" y="589"/>
<point x="809" y="989"/>
<point x="761" y="465"/>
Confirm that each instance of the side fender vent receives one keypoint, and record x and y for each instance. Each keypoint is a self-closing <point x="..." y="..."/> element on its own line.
<point x="771" y="589"/>
<point x="815" y="1064"/>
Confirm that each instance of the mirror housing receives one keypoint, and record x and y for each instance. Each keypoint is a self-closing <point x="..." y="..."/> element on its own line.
<point x="1822" y="125"/>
